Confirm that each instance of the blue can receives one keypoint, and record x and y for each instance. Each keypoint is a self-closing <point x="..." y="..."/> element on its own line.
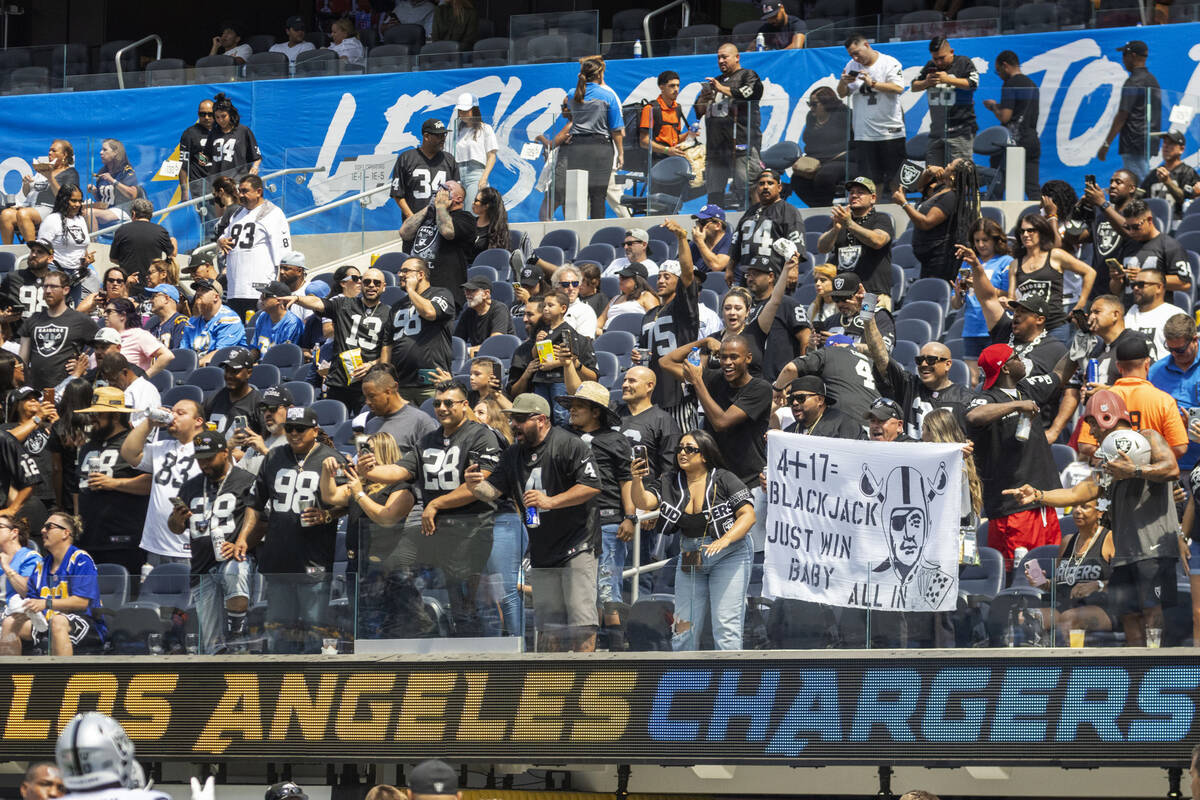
<point x="1093" y="370"/>
<point x="533" y="519"/>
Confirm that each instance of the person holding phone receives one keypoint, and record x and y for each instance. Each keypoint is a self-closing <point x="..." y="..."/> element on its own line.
<point x="421" y="325"/>
<point x="713" y="511"/>
<point x="1106" y="230"/>
<point x="991" y="248"/>
<point x="874" y="82"/>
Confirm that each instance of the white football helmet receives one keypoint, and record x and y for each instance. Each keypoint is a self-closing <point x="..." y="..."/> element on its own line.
<point x="94" y="751"/>
<point x="1129" y="442"/>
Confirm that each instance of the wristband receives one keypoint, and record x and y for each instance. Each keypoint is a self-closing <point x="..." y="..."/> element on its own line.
<point x="360" y="495"/>
<point x="49" y="602"/>
<point x="631" y="518"/>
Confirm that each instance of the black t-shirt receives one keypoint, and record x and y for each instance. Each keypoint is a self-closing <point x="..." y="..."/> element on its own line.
<point x="951" y="109"/>
<point x="664" y="328"/>
<point x="560" y="462"/>
<point x="221" y="409"/>
<point x="44" y="196"/>
<point x="112" y="520"/>
<point x="193" y="152"/>
<point x="1164" y="253"/>
<point x="230" y="153"/>
<point x="734" y="119"/>
<point x="356" y="325"/>
<point x="744" y="446"/>
<point x="598" y="301"/>
<point x="853" y="326"/>
<point x="473" y="328"/>
<point x="581" y="347"/>
<point x="612" y="452"/>
<point x="848" y="375"/>
<point x="659" y="432"/>
<point x="218" y="513"/>
<point x="1141" y="99"/>
<point x="1108" y="241"/>
<point x="1020" y="95"/>
<point x="415" y="178"/>
<point x="916" y="399"/>
<point x="285" y="484"/>
<point x="1184" y="175"/>
<point x="137" y="243"/>
<point x="419" y="343"/>
<point x="758" y="228"/>
<point x="933" y="240"/>
<point x="54" y="342"/>
<point x="36" y="447"/>
<point x="833" y="423"/>
<point x="1002" y="461"/>
<point x="779" y="345"/>
<point x="872" y="266"/>
<point x="447" y="258"/>
<point x="778" y="37"/>
<point x="439" y="461"/>
<point x="22" y="290"/>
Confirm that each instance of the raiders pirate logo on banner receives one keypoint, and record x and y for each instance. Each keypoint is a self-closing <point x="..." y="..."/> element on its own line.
<point x="909" y="173"/>
<point x="49" y="339"/>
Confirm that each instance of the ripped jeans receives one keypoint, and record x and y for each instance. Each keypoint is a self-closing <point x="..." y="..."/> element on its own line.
<point x="715" y="590"/>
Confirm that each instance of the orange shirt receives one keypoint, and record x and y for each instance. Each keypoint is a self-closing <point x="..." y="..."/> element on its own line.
<point x="668" y="134"/>
<point x="1149" y="408"/>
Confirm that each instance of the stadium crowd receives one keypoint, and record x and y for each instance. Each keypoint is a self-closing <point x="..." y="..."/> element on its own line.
<point x="433" y="439"/>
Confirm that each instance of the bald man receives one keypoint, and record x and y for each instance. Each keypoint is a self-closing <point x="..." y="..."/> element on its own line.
<point x="443" y="233"/>
<point x="921" y="393"/>
<point x="42" y="781"/>
<point x="734" y="130"/>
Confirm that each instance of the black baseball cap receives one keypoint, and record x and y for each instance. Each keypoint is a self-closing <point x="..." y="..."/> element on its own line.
<point x="1175" y="136"/>
<point x="1132" y="348"/>
<point x="845" y="286"/>
<point x="635" y="269"/>
<point x="238" y="358"/>
<point x="1033" y="303"/>
<point x="477" y="283"/>
<point x="277" y="289"/>
<point x="433" y="126"/>
<point x="530" y="276"/>
<point x="811" y="384"/>
<point x="1134" y="47"/>
<point x="765" y="263"/>
<point x="208" y="444"/>
<point x="883" y="409"/>
<point x="275" y="396"/>
<point x="296" y="23"/>
<point x="302" y="416"/>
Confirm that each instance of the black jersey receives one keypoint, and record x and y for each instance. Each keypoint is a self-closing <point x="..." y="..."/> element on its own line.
<point x="356" y="325"/>
<point x="18" y="468"/>
<point x="873" y="266"/>
<point x="744" y="446"/>
<point x="22" y="291"/>
<point x="779" y="344"/>
<point x="612" y="452"/>
<point x="218" y="513"/>
<point x="439" y="461"/>
<point x="415" y="178"/>
<point x="286" y="485"/>
<point x="1108" y="241"/>
<point x="221" y="409"/>
<point x="53" y="342"/>
<point x="419" y="343"/>
<point x="951" y="109"/>
<point x="1185" y="177"/>
<point x="735" y="118"/>
<point x="854" y="327"/>
<point x="448" y="258"/>
<point x="558" y="463"/>
<point x="231" y="153"/>
<point x="1162" y="253"/>
<point x="916" y="399"/>
<point x="112" y="520"/>
<point x="848" y="375"/>
<point x="758" y="228"/>
<point x="194" y="162"/>
<point x="659" y="432"/>
<point x="833" y="424"/>
<point x="37" y="447"/>
<point x="664" y="328"/>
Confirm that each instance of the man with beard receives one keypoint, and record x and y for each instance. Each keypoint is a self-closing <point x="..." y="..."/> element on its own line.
<point x="1151" y="249"/>
<point x="215" y="325"/>
<point x="855" y="306"/>
<point x="254" y="243"/>
<point x="770" y="218"/>
<point x="777" y="323"/>
<point x="570" y="361"/>
<point x="359" y="323"/>
<point x="862" y="237"/>
<point x="918" y="394"/>
<point x="237" y="398"/>
<point x="814" y="413"/>
<point x="1025" y="330"/>
<point x="217" y="514"/>
<point x="482" y="318"/>
<point x="21" y="290"/>
<point x="113" y="496"/>
<point x="1150" y="310"/>
<point x="52" y="339"/>
<point x="421" y="322"/>
<point x="251" y="446"/>
<point x="1172" y="180"/>
<point x="165" y="322"/>
<point x="1107" y="231"/>
<point x="443" y="234"/>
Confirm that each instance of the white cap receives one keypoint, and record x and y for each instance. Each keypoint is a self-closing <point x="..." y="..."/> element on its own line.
<point x="671" y="267"/>
<point x="107" y="335"/>
<point x="466" y="101"/>
<point x="294" y="258"/>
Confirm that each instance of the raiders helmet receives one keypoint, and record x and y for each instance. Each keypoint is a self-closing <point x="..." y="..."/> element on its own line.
<point x="94" y="751"/>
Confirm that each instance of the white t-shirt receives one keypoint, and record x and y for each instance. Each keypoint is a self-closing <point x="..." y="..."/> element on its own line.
<point x="350" y="49"/>
<point x="242" y="51"/>
<point x="710" y="321"/>
<point x="621" y="262"/>
<point x="291" y="52"/>
<point x="1151" y="323"/>
<point x="169" y="464"/>
<point x="877" y="116"/>
<point x="260" y="238"/>
<point x="582" y="318"/>
<point x="70" y="238"/>
<point x="143" y="396"/>
<point x="473" y="144"/>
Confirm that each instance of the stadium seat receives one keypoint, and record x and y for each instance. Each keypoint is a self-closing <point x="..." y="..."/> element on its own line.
<point x="29" y="80"/>
<point x="130" y="628"/>
<point x="904" y="351"/>
<point x="266" y="66"/>
<point x="934" y="290"/>
<point x="1163" y="212"/>
<point x="694" y="39"/>
<point x="162" y="381"/>
<point x="1035" y="17"/>
<point x="261" y="42"/>
<point x="208" y="379"/>
<point x="501" y="347"/>
<point x="547" y="49"/>
<point x="491" y="52"/>
<point x="914" y="330"/>
<point x="1063" y="454"/>
<point x="413" y="36"/>
<point x="956" y="329"/>
<point x="926" y="310"/>
<point x="715" y="281"/>
<point x="669" y="181"/>
<point x="183" y="391"/>
<point x="550" y="253"/>
<point x="660" y="234"/>
<point x="658" y="251"/>
<point x="817" y="223"/>
<point x="392" y="295"/>
<point x="916" y="147"/>
<point x="389" y="58"/>
<point x="978" y="13"/>
<point x="955" y="346"/>
<point x="495" y="257"/>
<point x="303" y="393"/>
<point x="284" y="355"/>
<point x="458" y="349"/>
<point x="806" y="294"/>
<point x="317" y="63"/>
<point x="713" y="300"/>
<point x="427" y="407"/>
<point x="482" y="271"/>
<point x="994" y="213"/>
<point x="1181" y="299"/>
<point x="599" y="252"/>
<point x="1045" y="555"/>
<point x="608" y="368"/>
<point x="8" y="261"/>
<point x="619" y="343"/>
<point x="563" y="238"/>
<point x="610" y="285"/>
<point x="611" y="235"/>
<point x="630" y="323"/>
<point x="264" y="376"/>
<point x="902" y="254"/>
<point x="215" y="69"/>
<point x="984" y="580"/>
<point x="329" y="412"/>
<point x="106" y="57"/>
<point x="626" y="27"/>
<point x="391" y="261"/>
<point x="502" y="293"/>
<point x="743" y="33"/>
<point x="439" y="55"/>
<point x="168" y="585"/>
<point x="114" y="585"/>
<point x="960" y="373"/>
<point x="1189" y="224"/>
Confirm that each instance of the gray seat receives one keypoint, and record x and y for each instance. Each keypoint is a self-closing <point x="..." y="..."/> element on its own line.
<point x="106" y="57"/>
<point x="266" y="66"/>
<point x="68" y="59"/>
<point x="490" y="52"/>
<point x="165" y="72"/>
<point x="389" y="58"/>
<point x="29" y="80"/>
<point x="316" y="63"/>
<point x="411" y="35"/>
<point x="543" y="49"/>
<point x="693" y="39"/>
<point x="215" y="69"/>
<point x="1036" y="17"/>
<point x="439" y="55"/>
<point x="261" y="42"/>
<point x="921" y="16"/>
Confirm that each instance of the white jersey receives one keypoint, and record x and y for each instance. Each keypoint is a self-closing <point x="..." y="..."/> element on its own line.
<point x="170" y="464"/>
<point x="621" y="262"/>
<point x="260" y="238"/>
<point x="877" y="115"/>
<point x="142" y="395"/>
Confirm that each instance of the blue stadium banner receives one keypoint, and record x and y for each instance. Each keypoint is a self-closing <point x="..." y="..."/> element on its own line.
<point x="1028" y="708"/>
<point x="354" y="125"/>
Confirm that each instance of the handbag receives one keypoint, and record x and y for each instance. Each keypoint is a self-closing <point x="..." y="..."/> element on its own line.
<point x="806" y="167"/>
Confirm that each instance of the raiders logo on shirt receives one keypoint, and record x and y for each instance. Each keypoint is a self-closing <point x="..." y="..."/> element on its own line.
<point x="1107" y="238"/>
<point x="848" y="255"/>
<point x="49" y="339"/>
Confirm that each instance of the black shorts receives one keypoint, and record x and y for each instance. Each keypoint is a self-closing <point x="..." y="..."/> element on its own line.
<point x="82" y="632"/>
<point x="1142" y="585"/>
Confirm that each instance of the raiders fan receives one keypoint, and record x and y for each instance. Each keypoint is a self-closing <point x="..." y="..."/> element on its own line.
<point x="231" y="148"/>
<point x="777" y="323"/>
<point x="218" y="517"/>
<point x="861" y="237"/>
<point x="421" y="324"/>
<point x="855" y="306"/>
<point x="421" y="171"/>
<point x="1172" y="180"/>
<point x="1106" y="231"/>
<point x="674" y="320"/>
<point x="845" y="372"/>
<point x="443" y="234"/>
<point x="257" y="240"/>
<point x="51" y="340"/>
<point x="359" y="322"/>
<point x="769" y="219"/>
<point x="21" y="290"/>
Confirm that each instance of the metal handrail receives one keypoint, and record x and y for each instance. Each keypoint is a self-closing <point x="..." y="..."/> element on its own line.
<point x="154" y="37"/>
<point x="267" y="177"/>
<point x="687" y="18"/>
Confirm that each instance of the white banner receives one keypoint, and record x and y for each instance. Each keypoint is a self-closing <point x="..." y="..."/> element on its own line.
<point x="863" y="524"/>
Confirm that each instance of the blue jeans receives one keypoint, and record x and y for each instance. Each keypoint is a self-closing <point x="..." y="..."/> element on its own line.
<point x="613" y="555"/>
<point x="1138" y="165"/>
<point x="210" y="596"/>
<point x="469" y="174"/>
<point x="559" y="415"/>
<point x="296" y="609"/>
<point x="716" y="589"/>
<point x="508" y="547"/>
<point x="1062" y="333"/>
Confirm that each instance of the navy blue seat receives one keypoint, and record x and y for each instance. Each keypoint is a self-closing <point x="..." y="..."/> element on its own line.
<point x="264" y="376"/>
<point x="208" y="379"/>
<point x="927" y="310"/>
<point x="329" y="412"/>
<point x="934" y="290"/>
<point x="563" y="238"/>
<point x="630" y="323"/>
<point x="303" y="393"/>
<point x="600" y="252"/>
<point x="284" y="355"/>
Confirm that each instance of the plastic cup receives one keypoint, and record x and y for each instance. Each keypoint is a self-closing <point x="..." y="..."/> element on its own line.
<point x="1077" y="637"/>
<point x="329" y="647"/>
<point x="193" y="643"/>
<point x="1154" y="637"/>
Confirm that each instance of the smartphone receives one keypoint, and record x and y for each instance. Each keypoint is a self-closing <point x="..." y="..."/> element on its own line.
<point x="1090" y="179"/>
<point x="640" y="453"/>
<point x="426" y="375"/>
<point x="473" y="457"/>
<point x="365" y="447"/>
<point x="854" y="73"/>
<point x="1193" y="416"/>
<point x="1081" y="318"/>
<point x="240" y="423"/>
<point x="179" y="504"/>
<point x="48" y="395"/>
<point x="1114" y="265"/>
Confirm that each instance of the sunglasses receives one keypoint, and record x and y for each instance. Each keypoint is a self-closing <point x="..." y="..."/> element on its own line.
<point x="690" y="449"/>
<point x="52" y="525"/>
<point x="929" y="361"/>
<point x="569" y="284"/>
<point x="355" y="278"/>
<point x="114" y="280"/>
<point x="111" y="311"/>
<point x="269" y="409"/>
<point x="1181" y="350"/>
<point x="295" y="428"/>
<point x="372" y="282"/>
<point x="1028" y="230"/>
<point x="629" y="244"/>
<point x="204" y="113"/>
<point x="446" y="403"/>
<point x="800" y="397"/>
<point x="1144" y="284"/>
